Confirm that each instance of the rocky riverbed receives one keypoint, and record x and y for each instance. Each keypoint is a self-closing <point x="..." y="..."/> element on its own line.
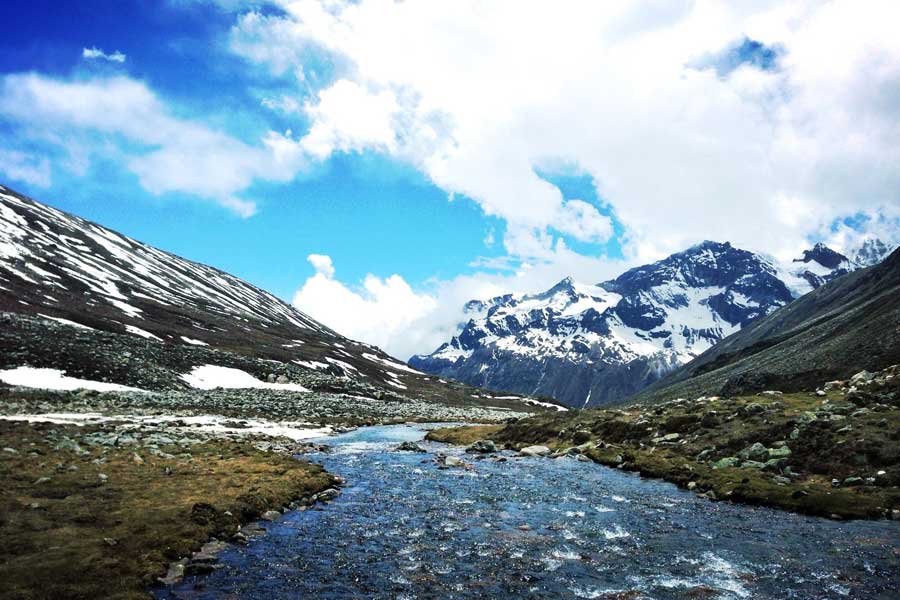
<point x="420" y="519"/>
<point x="833" y="451"/>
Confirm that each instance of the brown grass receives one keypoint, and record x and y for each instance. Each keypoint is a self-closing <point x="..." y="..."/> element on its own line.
<point x="464" y="435"/>
<point x="77" y="537"/>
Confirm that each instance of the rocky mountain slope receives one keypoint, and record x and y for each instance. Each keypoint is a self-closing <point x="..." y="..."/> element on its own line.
<point x="589" y="345"/>
<point x="78" y="297"/>
<point x="841" y="328"/>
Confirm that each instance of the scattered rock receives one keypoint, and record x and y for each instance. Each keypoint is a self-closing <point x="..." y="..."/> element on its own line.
<point x="410" y="447"/>
<point x="534" y="451"/>
<point x="482" y="447"/>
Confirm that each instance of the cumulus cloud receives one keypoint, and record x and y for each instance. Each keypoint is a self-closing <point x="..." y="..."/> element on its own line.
<point x="798" y="110"/>
<point x="380" y="311"/>
<point x="96" y="53"/>
<point x="123" y="117"/>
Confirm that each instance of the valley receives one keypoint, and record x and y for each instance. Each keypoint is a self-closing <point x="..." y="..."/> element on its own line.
<point x="168" y="430"/>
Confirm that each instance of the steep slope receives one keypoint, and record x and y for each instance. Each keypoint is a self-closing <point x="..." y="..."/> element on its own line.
<point x="841" y="328"/>
<point x="589" y="345"/>
<point x="83" y="298"/>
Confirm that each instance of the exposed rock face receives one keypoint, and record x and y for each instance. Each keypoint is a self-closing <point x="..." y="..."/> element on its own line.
<point x="590" y="345"/>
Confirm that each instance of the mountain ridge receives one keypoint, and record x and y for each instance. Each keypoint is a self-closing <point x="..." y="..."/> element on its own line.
<point x="78" y="281"/>
<point x="588" y="345"/>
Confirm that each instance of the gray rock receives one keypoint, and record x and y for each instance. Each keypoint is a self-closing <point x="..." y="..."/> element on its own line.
<point x="782" y="452"/>
<point x="724" y="463"/>
<point x="755" y="452"/>
<point x="482" y="447"/>
<point x="452" y="461"/>
<point x="534" y="451"/>
<point x="270" y="515"/>
<point x="410" y="447"/>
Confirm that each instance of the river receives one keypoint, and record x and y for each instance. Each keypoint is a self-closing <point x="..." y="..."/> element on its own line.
<point x="539" y="528"/>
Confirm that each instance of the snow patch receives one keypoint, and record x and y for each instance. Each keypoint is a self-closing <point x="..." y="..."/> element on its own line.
<point x="209" y="377"/>
<point x="55" y="379"/>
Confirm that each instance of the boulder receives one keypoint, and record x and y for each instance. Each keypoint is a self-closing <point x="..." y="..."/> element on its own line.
<point x="724" y="463"/>
<point x="755" y="452"/>
<point x="482" y="447"/>
<point x="535" y="451"/>
<point x="410" y="447"/>
<point x="782" y="452"/>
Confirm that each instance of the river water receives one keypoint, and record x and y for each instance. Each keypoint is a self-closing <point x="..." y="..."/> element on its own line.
<point x="540" y="528"/>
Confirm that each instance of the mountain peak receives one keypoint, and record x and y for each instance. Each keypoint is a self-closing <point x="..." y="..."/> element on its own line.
<point x="823" y="255"/>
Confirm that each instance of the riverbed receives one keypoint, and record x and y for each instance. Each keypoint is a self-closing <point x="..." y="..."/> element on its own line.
<point x="539" y="528"/>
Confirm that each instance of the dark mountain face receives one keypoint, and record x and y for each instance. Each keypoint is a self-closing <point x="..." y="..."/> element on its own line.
<point x="587" y="345"/>
<point x="823" y="255"/>
<point x="843" y="327"/>
<point x="89" y="289"/>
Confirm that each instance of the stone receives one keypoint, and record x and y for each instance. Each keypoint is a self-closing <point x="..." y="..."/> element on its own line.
<point x="270" y="515"/>
<point x="821" y="393"/>
<point x="692" y="485"/>
<point x="410" y="447"/>
<point x="175" y="572"/>
<point x="779" y="480"/>
<point x="727" y="462"/>
<point x="534" y="451"/>
<point x="103" y="477"/>
<point x="282" y="379"/>
<point x="668" y="438"/>
<point x="753" y="464"/>
<point x="482" y="447"/>
<point x="755" y="452"/>
<point x="832" y="386"/>
<point x="452" y="461"/>
<point x="41" y="480"/>
<point x="862" y="377"/>
<point x="853" y="481"/>
<point x="327" y="495"/>
<point x="782" y="452"/>
<point x="583" y="458"/>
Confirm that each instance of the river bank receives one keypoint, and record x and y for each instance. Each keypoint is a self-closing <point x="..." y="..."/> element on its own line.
<point x="105" y="510"/>
<point x="421" y="519"/>
<point x="833" y="452"/>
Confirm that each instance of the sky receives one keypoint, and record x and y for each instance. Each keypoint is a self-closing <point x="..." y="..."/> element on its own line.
<point x="378" y="163"/>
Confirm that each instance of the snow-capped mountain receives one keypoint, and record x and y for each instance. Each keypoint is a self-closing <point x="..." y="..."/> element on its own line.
<point x="69" y="276"/>
<point x="588" y="345"/>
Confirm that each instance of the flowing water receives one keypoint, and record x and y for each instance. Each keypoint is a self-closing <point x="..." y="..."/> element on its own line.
<point x="540" y="528"/>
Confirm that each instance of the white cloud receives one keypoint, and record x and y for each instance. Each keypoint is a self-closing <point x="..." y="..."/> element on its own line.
<point x="123" y="118"/>
<point x="381" y="312"/>
<point x="322" y="264"/>
<point x="96" y="53"/>
<point x="477" y="95"/>
<point x="20" y="166"/>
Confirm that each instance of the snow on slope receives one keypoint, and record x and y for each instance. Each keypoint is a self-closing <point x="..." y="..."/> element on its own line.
<point x="588" y="344"/>
<point x="41" y="245"/>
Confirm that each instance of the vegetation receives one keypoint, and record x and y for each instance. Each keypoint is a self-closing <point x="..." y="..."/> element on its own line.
<point x="834" y="454"/>
<point x="104" y="522"/>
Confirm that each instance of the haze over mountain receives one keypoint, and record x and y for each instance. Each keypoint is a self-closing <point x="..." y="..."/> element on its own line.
<point x="588" y="345"/>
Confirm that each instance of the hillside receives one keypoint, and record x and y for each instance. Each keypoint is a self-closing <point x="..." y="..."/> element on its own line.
<point x="845" y="326"/>
<point x="78" y="297"/>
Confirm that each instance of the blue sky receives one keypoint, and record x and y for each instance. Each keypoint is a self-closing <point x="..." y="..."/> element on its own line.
<point x="434" y="152"/>
<point x="368" y="212"/>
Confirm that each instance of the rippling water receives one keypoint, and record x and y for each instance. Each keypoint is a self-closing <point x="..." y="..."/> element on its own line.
<point x="541" y="528"/>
